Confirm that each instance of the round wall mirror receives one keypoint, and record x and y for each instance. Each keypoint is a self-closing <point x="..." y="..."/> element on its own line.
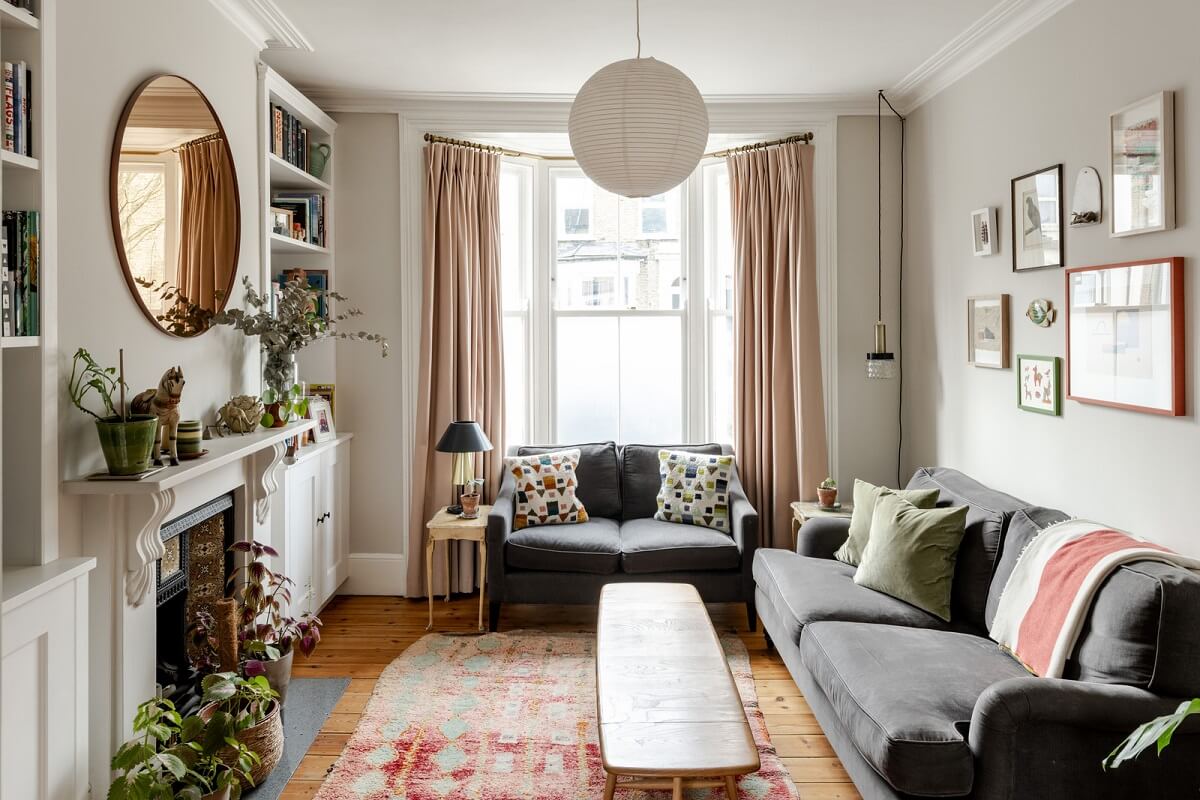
<point x="173" y="196"/>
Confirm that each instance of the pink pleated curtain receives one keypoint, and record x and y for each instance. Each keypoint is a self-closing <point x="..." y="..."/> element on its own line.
<point x="779" y="414"/>
<point x="208" y="220"/>
<point x="461" y="355"/>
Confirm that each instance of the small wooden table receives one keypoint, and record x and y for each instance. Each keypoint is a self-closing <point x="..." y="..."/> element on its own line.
<point x="804" y="510"/>
<point x="669" y="712"/>
<point x="446" y="527"/>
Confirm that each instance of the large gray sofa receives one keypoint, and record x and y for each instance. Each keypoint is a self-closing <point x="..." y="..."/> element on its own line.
<point x="621" y="541"/>
<point x="916" y="707"/>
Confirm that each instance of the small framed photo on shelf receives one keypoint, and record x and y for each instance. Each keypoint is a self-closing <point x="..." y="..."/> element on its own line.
<point x="1125" y="336"/>
<point x="1039" y="381"/>
<point x="1037" y="219"/>
<point x="1142" y="161"/>
<point x="318" y="409"/>
<point x="326" y="391"/>
<point x="281" y="221"/>
<point x="983" y="231"/>
<point x="987" y="331"/>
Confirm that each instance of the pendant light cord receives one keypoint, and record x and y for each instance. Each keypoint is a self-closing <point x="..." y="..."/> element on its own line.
<point x="637" y="13"/>
<point x="900" y="265"/>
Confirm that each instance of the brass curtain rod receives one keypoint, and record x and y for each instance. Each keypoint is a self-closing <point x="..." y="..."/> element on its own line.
<point x="806" y="138"/>
<point x="210" y="137"/>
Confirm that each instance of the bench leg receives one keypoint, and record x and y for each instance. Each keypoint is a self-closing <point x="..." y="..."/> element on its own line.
<point x="610" y="786"/>
<point x="731" y="786"/>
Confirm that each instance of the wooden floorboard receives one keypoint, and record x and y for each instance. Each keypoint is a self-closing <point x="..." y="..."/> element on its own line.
<point x="362" y="635"/>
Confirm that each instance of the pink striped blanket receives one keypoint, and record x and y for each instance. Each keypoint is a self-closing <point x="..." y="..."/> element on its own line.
<point x="1047" y="598"/>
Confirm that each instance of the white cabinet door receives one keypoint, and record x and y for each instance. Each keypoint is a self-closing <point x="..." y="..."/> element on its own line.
<point x="303" y="508"/>
<point x="333" y="533"/>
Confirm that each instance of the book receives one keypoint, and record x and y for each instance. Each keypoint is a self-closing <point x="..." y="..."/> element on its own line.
<point x="277" y="131"/>
<point x="9" y="110"/>
<point x="6" y="316"/>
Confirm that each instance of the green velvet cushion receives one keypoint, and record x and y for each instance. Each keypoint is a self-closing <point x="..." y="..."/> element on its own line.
<point x="865" y="494"/>
<point x="911" y="552"/>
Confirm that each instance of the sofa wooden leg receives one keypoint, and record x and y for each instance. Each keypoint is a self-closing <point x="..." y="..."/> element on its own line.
<point x="751" y="616"/>
<point x="493" y="616"/>
<point x="770" y="644"/>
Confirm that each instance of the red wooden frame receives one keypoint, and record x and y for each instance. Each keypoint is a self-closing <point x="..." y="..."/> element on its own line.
<point x="1178" y="364"/>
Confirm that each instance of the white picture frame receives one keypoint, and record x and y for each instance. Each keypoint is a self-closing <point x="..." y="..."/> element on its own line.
<point x="318" y="409"/>
<point x="1141" y="161"/>
<point x="983" y="231"/>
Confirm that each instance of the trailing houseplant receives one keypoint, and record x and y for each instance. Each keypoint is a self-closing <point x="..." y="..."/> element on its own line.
<point x="173" y="756"/>
<point x="1157" y="733"/>
<point x="126" y="440"/>
<point x="283" y="328"/>
<point x="254" y="721"/>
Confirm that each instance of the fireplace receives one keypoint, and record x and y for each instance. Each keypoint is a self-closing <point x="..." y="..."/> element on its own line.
<point x="191" y="573"/>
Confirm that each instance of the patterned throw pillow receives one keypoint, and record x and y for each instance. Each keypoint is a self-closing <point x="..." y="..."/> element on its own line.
<point x="695" y="489"/>
<point x="546" y="486"/>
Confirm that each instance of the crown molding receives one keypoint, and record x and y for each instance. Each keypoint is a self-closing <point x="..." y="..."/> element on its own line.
<point x="1007" y="22"/>
<point x="347" y="99"/>
<point x="264" y="24"/>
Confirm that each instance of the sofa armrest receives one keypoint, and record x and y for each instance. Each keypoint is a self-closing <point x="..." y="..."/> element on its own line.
<point x="499" y="526"/>
<point x="820" y="537"/>
<point x="743" y="519"/>
<point x="1046" y="737"/>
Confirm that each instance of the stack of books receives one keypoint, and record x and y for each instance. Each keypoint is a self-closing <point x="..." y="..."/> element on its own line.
<point x="19" y="262"/>
<point x="24" y="5"/>
<point x="289" y="138"/>
<point x="18" y="108"/>
<point x="308" y="214"/>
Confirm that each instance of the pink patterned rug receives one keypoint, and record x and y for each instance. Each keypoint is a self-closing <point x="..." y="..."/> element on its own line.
<point x="506" y="716"/>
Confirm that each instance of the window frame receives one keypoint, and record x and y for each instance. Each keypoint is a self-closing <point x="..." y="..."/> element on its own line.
<point x="695" y="316"/>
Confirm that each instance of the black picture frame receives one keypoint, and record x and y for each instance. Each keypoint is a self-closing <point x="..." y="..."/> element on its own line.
<point x="1019" y="213"/>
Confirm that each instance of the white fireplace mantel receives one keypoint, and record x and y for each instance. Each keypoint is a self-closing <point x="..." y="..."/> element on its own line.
<point x="121" y="524"/>
<point x="154" y="500"/>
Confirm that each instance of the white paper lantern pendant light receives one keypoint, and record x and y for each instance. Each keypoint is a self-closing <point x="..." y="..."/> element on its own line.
<point x="638" y="127"/>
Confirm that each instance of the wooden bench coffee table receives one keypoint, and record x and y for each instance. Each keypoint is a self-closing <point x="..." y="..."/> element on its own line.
<point x="669" y="711"/>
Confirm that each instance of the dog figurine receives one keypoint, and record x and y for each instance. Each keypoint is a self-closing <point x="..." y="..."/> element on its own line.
<point x="163" y="403"/>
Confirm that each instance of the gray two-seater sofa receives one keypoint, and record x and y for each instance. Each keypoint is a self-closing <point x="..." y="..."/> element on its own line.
<point x="917" y="707"/>
<point x="621" y="541"/>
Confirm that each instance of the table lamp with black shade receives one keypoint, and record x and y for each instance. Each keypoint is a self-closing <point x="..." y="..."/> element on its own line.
<point x="463" y="439"/>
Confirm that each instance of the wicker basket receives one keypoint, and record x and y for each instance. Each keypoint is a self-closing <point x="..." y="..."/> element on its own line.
<point x="265" y="739"/>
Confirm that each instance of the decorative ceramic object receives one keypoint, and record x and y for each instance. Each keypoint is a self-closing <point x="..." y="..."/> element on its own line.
<point x="128" y="445"/>
<point x="163" y="403"/>
<point x="242" y="413"/>
<point x="1086" y="201"/>
<point x="318" y="159"/>
<point x="190" y="437"/>
<point x="1041" y="312"/>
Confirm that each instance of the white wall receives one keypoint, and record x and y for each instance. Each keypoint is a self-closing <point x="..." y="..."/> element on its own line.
<point x="868" y="410"/>
<point x="1045" y="100"/>
<point x="105" y="50"/>
<point x="369" y="270"/>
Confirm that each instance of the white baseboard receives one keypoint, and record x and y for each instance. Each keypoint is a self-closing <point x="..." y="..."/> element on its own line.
<point x="376" y="573"/>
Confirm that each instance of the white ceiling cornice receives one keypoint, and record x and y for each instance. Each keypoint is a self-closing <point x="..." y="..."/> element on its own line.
<point x="264" y="24"/>
<point x="1007" y="22"/>
<point x="357" y="100"/>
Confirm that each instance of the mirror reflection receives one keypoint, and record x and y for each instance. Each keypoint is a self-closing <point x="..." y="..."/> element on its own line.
<point x="175" y="203"/>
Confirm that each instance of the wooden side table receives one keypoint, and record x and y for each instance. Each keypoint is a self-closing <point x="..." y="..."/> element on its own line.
<point x="446" y="527"/>
<point x="804" y="510"/>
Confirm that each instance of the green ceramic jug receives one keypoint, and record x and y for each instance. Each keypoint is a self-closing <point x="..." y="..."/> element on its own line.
<point x="318" y="158"/>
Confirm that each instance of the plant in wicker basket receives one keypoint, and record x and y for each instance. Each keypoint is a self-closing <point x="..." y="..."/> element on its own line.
<point x="174" y="756"/>
<point x="254" y="721"/>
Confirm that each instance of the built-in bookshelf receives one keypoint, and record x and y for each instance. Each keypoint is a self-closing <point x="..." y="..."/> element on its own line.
<point x="291" y="126"/>
<point x="29" y="352"/>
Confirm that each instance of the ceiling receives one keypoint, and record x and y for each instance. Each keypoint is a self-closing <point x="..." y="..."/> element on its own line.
<point x="758" y="47"/>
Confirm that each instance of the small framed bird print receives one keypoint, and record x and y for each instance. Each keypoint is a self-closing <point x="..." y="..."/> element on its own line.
<point x="1037" y="219"/>
<point x="1038" y="384"/>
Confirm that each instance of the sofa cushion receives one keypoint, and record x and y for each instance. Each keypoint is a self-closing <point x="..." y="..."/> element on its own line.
<point x="865" y="495"/>
<point x="651" y="545"/>
<point x="905" y="697"/>
<point x="694" y="489"/>
<point x="599" y="477"/>
<point x="805" y="590"/>
<point x="988" y="514"/>
<point x="593" y="546"/>
<point x="640" y="479"/>
<point x="545" y="489"/>
<point x="1141" y="628"/>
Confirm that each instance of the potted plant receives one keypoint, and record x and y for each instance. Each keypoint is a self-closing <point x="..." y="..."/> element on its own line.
<point x="1156" y="733"/>
<point x="127" y="441"/>
<point x="268" y="636"/>
<point x="255" y="724"/>
<point x="827" y="493"/>
<point x="284" y="328"/>
<point x="173" y="756"/>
